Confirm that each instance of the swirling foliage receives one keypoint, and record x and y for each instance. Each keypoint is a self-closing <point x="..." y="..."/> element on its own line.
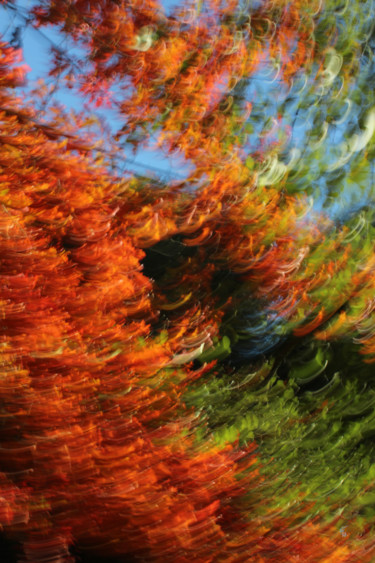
<point x="186" y="365"/>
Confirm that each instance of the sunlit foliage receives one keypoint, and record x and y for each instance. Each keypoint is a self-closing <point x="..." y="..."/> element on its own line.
<point x="187" y="364"/>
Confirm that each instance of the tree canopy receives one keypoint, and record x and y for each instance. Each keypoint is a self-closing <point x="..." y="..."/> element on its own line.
<point x="187" y="362"/>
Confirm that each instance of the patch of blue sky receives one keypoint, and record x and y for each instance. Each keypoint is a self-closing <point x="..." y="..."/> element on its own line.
<point x="319" y="124"/>
<point x="170" y="5"/>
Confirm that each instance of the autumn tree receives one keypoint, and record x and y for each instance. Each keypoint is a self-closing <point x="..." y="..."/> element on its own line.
<point x="186" y="364"/>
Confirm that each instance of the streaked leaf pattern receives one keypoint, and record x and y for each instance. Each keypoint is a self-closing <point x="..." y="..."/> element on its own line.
<point x="187" y="363"/>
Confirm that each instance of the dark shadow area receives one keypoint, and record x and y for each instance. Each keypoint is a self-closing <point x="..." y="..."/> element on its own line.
<point x="10" y="550"/>
<point x="165" y="254"/>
